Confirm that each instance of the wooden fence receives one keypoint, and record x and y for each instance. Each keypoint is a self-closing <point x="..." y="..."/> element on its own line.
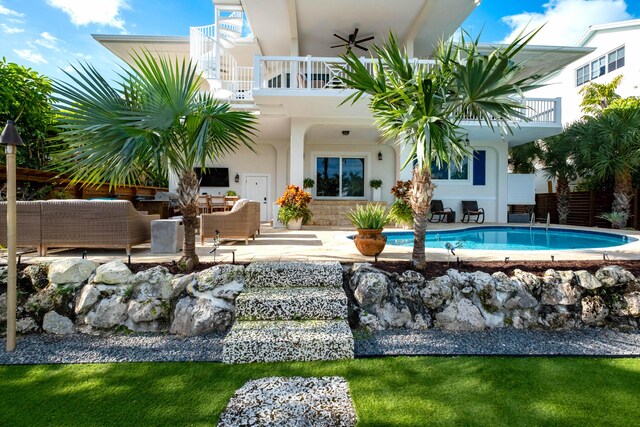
<point x="585" y="207"/>
<point x="80" y="191"/>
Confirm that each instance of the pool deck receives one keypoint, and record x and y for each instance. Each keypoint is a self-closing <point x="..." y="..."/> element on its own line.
<point x="333" y="244"/>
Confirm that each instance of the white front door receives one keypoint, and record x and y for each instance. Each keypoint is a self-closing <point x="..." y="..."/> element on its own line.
<point x="258" y="190"/>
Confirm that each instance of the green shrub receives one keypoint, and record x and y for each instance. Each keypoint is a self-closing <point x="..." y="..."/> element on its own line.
<point x="401" y="212"/>
<point x="370" y="217"/>
<point x="375" y="183"/>
<point x="308" y="183"/>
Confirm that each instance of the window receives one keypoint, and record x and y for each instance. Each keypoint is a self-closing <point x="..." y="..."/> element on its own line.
<point x="598" y="68"/>
<point x="340" y="177"/>
<point x="451" y="171"/>
<point x="616" y="59"/>
<point x="582" y="75"/>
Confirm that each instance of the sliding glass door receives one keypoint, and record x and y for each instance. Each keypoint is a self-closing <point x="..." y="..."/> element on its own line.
<point x="340" y="177"/>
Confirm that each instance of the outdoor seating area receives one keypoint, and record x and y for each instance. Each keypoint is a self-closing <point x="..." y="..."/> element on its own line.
<point x="78" y="224"/>
<point x="210" y="203"/>
<point x="439" y="213"/>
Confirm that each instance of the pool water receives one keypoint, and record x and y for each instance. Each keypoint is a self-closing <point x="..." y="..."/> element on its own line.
<point x="512" y="239"/>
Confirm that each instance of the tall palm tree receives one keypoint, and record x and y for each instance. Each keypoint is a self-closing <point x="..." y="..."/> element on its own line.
<point x="610" y="144"/>
<point x="558" y="159"/>
<point x="523" y="158"/>
<point x="155" y="118"/>
<point x="422" y="105"/>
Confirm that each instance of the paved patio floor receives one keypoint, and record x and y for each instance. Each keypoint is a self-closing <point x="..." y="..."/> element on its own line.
<point x="333" y="244"/>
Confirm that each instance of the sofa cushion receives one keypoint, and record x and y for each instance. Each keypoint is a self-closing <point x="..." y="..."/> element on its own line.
<point x="238" y="204"/>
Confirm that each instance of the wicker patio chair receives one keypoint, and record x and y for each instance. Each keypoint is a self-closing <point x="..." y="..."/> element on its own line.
<point x="237" y="224"/>
<point x="470" y="208"/>
<point x="438" y="212"/>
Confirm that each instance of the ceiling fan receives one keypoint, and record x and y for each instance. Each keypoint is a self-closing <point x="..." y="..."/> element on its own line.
<point x="352" y="41"/>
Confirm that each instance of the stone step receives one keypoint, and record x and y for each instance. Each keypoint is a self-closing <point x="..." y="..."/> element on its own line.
<point x="287" y="340"/>
<point x="291" y="304"/>
<point x="265" y="274"/>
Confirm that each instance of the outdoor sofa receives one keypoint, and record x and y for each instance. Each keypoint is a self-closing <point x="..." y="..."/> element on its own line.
<point x="240" y="223"/>
<point x="78" y="224"/>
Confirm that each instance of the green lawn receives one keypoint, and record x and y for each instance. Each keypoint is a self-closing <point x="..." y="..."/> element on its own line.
<point x="391" y="391"/>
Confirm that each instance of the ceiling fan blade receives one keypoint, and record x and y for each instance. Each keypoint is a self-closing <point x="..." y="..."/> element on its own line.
<point x="365" y="40"/>
<point x="340" y="45"/>
<point x="361" y="47"/>
<point x="355" y="34"/>
<point x="341" y="38"/>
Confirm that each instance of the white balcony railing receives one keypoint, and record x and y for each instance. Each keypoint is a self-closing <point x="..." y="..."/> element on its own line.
<point x="303" y="72"/>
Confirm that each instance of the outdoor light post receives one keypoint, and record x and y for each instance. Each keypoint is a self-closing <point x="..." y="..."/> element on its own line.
<point x="10" y="139"/>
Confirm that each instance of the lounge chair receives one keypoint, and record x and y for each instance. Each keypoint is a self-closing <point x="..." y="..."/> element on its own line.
<point x="470" y="208"/>
<point x="438" y="212"/>
<point x="240" y="223"/>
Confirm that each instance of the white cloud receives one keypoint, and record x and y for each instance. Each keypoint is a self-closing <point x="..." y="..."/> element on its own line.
<point x="9" y="12"/>
<point x="11" y="30"/>
<point x="48" y="41"/>
<point x="566" y="20"/>
<point x="83" y="12"/>
<point x="31" y="56"/>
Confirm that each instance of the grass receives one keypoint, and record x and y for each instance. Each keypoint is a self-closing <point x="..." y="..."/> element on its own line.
<point x="391" y="391"/>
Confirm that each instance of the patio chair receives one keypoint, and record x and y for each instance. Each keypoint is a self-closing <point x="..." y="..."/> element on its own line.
<point x="203" y="204"/>
<point x="438" y="212"/>
<point x="470" y="208"/>
<point x="240" y="223"/>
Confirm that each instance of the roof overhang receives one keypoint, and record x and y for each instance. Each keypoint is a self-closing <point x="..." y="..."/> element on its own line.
<point x="124" y="46"/>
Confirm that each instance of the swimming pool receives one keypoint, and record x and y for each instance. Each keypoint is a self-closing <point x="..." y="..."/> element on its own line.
<point x="512" y="239"/>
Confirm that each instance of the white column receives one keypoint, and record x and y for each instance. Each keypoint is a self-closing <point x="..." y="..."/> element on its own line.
<point x="501" y="191"/>
<point x="406" y="173"/>
<point x="296" y="152"/>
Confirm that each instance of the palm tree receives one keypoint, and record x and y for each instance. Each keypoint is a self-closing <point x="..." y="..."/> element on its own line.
<point x="610" y="144"/>
<point x="558" y="160"/>
<point x="596" y="97"/>
<point x="523" y="158"/>
<point x="422" y="106"/>
<point x="156" y="119"/>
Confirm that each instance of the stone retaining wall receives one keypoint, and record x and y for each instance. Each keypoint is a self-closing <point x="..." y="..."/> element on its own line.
<point x="475" y="301"/>
<point x="75" y="295"/>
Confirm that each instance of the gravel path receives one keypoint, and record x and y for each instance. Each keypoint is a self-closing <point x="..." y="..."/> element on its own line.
<point x="579" y="342"/>
<point x="43" y="348"/>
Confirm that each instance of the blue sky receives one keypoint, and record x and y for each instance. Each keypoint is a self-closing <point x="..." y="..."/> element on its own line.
<point x="47" y="35"/>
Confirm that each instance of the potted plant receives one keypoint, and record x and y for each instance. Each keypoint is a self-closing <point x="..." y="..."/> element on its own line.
<point x="376" y="184"/>
<point x="294" y="210"/>
<point x="230" y="193"/>
<point x="308" y="183"/>
<point x="369" y="221"/>
<point x="400" y="211"/>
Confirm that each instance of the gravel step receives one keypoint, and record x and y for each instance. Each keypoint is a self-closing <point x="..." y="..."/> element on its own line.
<point x="291" y="304"/>
<point x="293" y="275"/>
<point x="288" y="340"/>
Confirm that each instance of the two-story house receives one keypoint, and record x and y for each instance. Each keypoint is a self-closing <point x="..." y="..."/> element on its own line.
<point x="279" y="59"/>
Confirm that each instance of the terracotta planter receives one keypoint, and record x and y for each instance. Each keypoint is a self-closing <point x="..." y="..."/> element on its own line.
<point x="370" y="242"/>
<point x="295" y="224"/>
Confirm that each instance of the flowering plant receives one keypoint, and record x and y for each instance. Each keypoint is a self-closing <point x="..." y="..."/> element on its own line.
<point x="293" y="205"/>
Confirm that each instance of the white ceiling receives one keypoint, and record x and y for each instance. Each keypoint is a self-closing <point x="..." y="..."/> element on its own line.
<point x="277" y="23"/>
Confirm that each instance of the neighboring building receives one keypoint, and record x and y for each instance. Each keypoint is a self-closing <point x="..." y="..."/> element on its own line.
<point x="275" y="58"/>
<point x="615" y="50"/>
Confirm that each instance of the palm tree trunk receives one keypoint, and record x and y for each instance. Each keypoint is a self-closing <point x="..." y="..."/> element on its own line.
<point x="420" y="196"/>
<point x="188" y="188"/>
<point x="563" y="195"/>
<point x="622" y="195"/>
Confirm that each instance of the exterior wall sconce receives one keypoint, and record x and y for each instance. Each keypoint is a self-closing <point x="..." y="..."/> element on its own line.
<point x="237" y="178"/>
<point x="466" y="140"/>
<point x="379" y="155"/>
<point x="346" y="132"/>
